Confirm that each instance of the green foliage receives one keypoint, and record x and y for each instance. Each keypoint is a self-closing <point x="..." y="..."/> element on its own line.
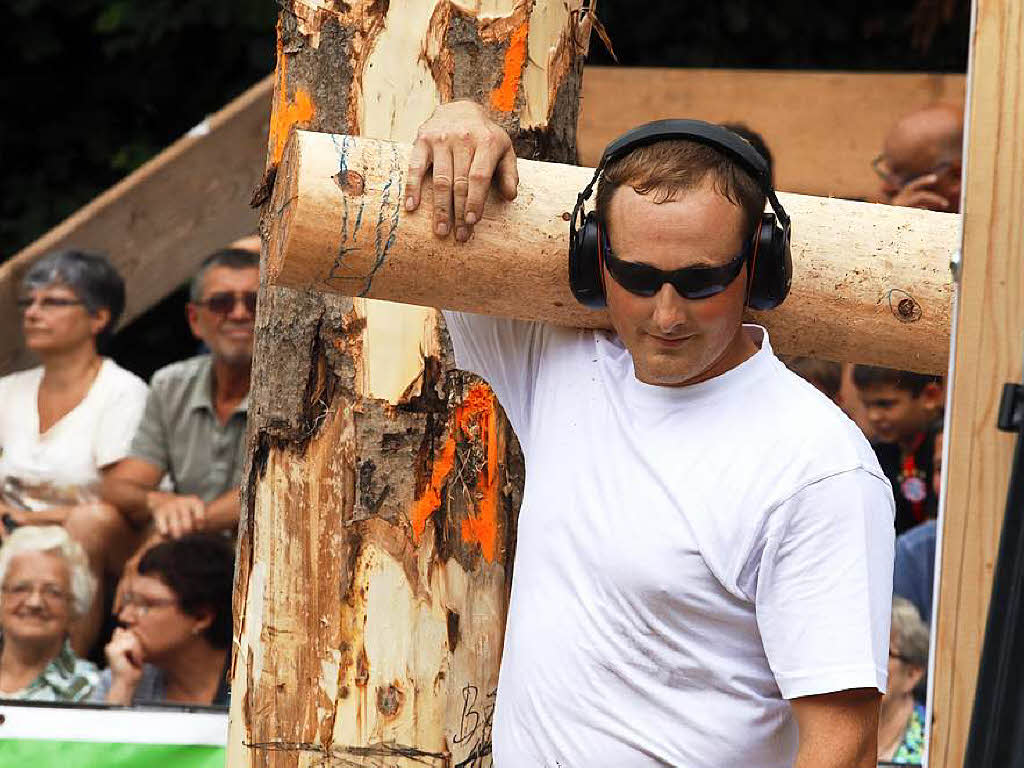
<point x="94" y="88"/>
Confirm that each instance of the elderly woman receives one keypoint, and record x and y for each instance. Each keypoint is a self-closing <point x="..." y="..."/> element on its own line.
<point x="901" y="719"/>
<point x="45" y="585"/>
<point x="176" y="616"/>
<point x="65" y="422"/>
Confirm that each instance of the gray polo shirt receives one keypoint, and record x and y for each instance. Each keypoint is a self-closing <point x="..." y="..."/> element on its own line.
<point x="180" y="433"/>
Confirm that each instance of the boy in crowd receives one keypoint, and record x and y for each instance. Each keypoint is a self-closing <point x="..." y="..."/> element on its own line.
<point x="914" y="571"/>
<point x="902" y="408"/>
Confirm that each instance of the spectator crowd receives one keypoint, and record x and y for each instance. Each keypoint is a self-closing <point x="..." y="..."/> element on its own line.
<point x="120" y="500"/>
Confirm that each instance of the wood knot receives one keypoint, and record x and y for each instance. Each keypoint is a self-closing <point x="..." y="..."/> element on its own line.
<point x="351" y="183"/>
<point x="389" y="700"/>
<point x="904" y="307"/>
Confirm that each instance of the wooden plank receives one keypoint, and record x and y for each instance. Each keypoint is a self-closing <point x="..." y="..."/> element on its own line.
<point x="824" y="128"/>
<point x="159" y="222"/>
<point x="988" y="335"/>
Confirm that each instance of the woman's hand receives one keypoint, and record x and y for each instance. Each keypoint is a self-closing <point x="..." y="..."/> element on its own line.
<point x="125" y="658"/>
<point x="466" y="150"/>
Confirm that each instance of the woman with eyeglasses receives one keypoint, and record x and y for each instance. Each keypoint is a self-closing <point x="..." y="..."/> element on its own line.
<point x="173" y="645"/>
<point x="901" y="719"/>
<point x="64" y="423"/>
<point x="45" y="587"/>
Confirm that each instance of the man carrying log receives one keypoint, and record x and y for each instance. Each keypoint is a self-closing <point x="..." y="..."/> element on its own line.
<point x="704" y="561"/>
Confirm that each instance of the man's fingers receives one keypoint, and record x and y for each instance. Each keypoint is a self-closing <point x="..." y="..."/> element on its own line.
<point x="462" y="157"/>
<point x="442" y="158"/>
<point x="508" y="175"/>
<point x="161" y="522"/>
<point x="175" y="524"/>
<point x="921" y="182"/>
<point x="419" y="163"/>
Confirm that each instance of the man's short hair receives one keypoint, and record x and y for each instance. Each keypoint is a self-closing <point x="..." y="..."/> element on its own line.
<point x="199" y="569"/>
<point x="756" y="140"/>
<point x="90" y="276"/>
<point x="866" y="376"/>
<point x="232" y="258"/>
<point x="667" y="168"/>
<point x="824" y="374"/>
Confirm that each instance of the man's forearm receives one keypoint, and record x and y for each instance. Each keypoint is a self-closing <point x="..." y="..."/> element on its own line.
<point x="837" y="754"/>
<point x="134" y="500"/>
<point x="222" y="513"/>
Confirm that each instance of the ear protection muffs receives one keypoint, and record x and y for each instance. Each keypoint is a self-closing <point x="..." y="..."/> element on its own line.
<point x="770" y="267"/>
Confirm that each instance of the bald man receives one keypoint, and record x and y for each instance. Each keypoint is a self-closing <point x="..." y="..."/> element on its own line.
<point x="920" y="167"/>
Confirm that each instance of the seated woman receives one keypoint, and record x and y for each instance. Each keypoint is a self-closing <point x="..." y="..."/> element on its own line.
<point x="45" y="585"/>
<point x="901" y="719"/>
<point x="65" y="422"/>
<point x="174" y="644"/>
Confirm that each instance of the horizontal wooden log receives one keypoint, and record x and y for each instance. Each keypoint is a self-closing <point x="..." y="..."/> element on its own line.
<point x="871" y="282"/>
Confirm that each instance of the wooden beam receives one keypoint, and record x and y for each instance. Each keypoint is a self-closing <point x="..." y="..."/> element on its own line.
<point x="158" y="223"/>
<point x="824" y="128"/>
<point x="988" y="347"/>
<point x="871" y="282"/>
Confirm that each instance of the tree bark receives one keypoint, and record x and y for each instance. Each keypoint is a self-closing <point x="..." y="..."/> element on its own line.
<point x="379" y="511"/>
<point x="871" y="283"/>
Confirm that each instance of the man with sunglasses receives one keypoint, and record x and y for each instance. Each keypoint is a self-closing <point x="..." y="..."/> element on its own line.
<point x="920" y="166"/>
<point x="193" y="427"/>
<point x="703" y="567"/>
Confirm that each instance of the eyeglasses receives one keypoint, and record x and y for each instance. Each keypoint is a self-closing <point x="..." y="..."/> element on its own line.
<point x="143" y="605"/>
<point x="22" y="590"/>
<point x="224" y="302"/>
<point x="880" y="165"/>
<point x="46" y="302"/>
<point x="690" y="282"/>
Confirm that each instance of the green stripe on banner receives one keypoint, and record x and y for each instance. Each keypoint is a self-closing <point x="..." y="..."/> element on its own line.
<point x="88" y="754"/>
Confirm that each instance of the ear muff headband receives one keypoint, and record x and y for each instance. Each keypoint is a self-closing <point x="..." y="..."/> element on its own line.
<point x="768" y="284"/>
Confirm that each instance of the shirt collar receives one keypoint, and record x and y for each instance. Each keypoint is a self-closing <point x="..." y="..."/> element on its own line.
<point x="202" y="394"/>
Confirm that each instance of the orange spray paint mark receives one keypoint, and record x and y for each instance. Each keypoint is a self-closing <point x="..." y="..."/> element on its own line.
<point x="475" y="418"/>
<point x="503" y="98"/>
<point x="286" y="113"/>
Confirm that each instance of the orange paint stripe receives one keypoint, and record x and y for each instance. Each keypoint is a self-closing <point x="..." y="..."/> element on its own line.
<point x="503" y="98"/>
<point x="297" y="112"/>
<point x="477" y="409"/>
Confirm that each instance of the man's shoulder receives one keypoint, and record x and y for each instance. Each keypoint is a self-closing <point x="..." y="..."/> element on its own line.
<point x="811" y="429"/>
<point x="180" y="374"/>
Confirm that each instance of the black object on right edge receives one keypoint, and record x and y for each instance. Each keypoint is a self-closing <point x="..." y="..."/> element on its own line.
<point x="772" y="262"/>
<point x="996" y="737"/>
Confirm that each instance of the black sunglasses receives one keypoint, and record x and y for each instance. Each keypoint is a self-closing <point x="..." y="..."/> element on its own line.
<point x="223" y="303"/>
<point x="690" y="282"/>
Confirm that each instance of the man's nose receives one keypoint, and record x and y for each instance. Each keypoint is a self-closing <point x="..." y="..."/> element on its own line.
<point x="240" y="312"/>
<point x="670" y="309"/>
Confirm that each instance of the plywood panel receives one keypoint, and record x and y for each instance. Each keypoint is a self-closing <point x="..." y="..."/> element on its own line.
<point x="988" y="336"/>
<point x="159" y="222"/>
<point x="824" y="128"/>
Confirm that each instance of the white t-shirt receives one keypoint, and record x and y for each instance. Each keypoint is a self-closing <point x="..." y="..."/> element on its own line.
<point x="66" y="459"/>
<point x="687" y="558"/>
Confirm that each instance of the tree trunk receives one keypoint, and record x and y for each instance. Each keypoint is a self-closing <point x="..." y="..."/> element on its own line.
<point x="871" y="283"/>
<point x="379" y="511"/>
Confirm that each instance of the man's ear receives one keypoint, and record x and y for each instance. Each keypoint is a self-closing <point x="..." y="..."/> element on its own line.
<point x="203" y="620"/>
<point x="192" y="315"/>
